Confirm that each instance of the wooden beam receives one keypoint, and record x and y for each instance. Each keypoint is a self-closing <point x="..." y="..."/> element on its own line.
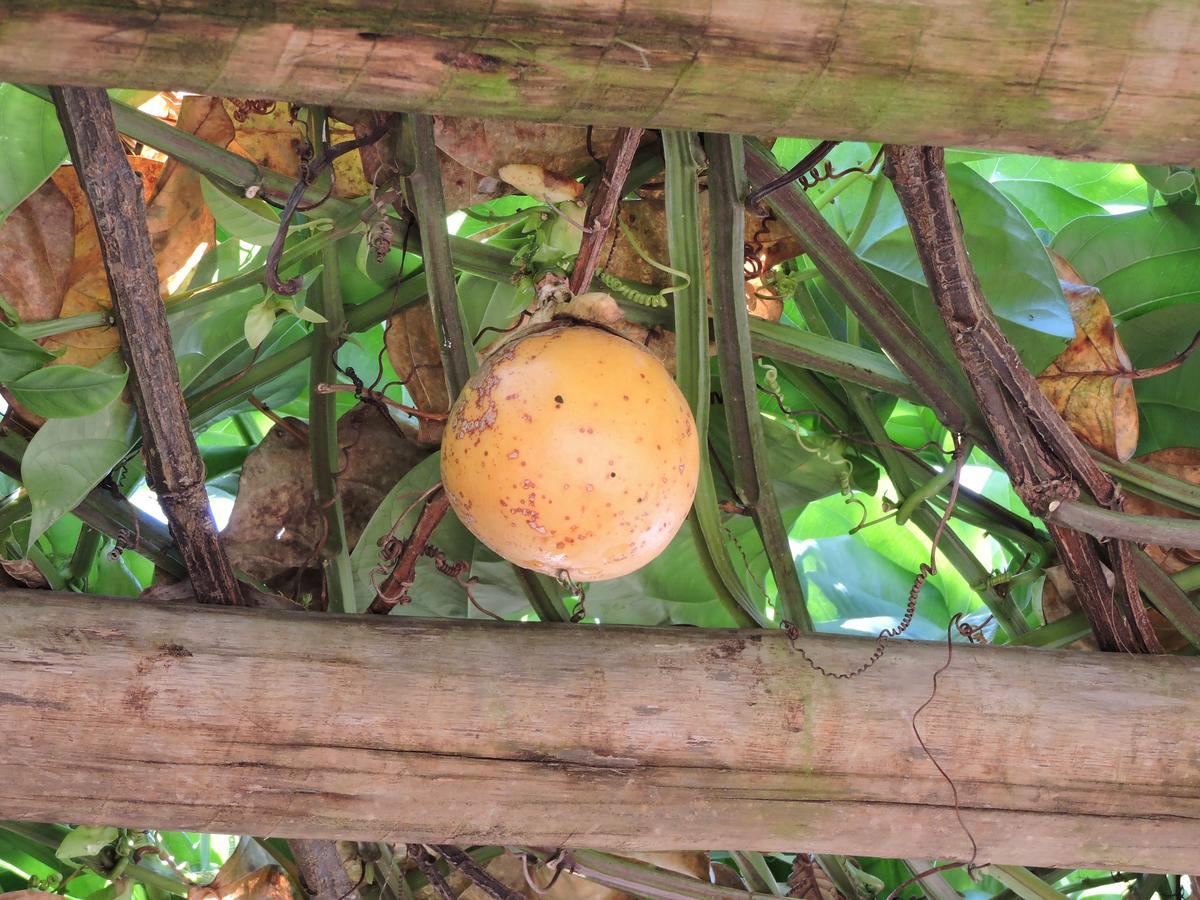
<point x="1104" y="79"/>
<point x="253" y="722"/>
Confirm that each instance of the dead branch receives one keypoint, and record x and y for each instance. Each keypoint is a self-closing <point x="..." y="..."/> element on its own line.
<point x="174" y="469"/>
<point x="1044" y="459"/>
<point x="602" y="206"/>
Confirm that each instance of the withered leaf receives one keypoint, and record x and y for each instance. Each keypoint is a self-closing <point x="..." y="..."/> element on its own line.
<point x="274" y="526"/>
<point x="37" y="244"/>
<point x="412" y="348"/>
<point x="26" y="572"/>
<point x="274" y="140"/>
<point x="484" y="145"/>
<point x="1099" y="408"/>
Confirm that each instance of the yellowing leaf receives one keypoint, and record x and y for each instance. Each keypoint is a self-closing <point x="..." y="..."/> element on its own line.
<point x="541" y="184"/>
<point x="1099" y="406"/>
<point x="272" y="139"/>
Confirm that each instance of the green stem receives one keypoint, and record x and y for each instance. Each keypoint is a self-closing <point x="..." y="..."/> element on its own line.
<point x="756" y="873"/>
<point x="836" y="188"/>
<point x="1150" y="482"/>
<point x="645" y="880"/>
<point x="1023" y="883"/>
<point x="323" y="434"/>
<point x="212" y="402"/>
<point x="1060" y="633"/>
<point x="1189" y="579"/>
<point x="831" y="357"/>
<point x="83" y="557"/>
<point x="426" y="184"/>
<point x="692" y="368"/>
<point x="914" y="354"/>
<point x="870" y="208"/>
<point x="1109" y="523"/>
<point x="951" y="546"/>
<point x="727" y="219"/>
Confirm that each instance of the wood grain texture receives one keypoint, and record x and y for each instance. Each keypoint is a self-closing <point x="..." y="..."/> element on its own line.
<point x="269" y="723"/>
<point x="1103" y="79"/>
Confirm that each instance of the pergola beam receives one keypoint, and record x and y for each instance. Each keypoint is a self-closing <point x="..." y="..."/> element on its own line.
<point x="254" y="722"/>
<point x="1107" y="79"/>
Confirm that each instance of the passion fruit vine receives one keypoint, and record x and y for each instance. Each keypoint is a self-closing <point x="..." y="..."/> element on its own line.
<point x="571" y="451"/>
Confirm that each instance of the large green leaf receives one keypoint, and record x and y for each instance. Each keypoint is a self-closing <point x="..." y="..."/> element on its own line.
<point x="69" y="457"/>
<point x="60" y="392"/>
<point x="859" y="584"/>
<point x="1147" y="265"/>
<point x="31" y="143"/>
<point x="1014" y="270"/>
<point x="1098" y="183"/>
<point x="31" y="146"/>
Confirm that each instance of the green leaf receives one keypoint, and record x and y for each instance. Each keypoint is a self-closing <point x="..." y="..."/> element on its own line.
<point x="206" y="335"/>
<point x="253" y="221"/>
<point x="858" y="583"/>
<point x="86" y="840"/>
<point x="259" y="321"/>
<point x="32" y="144"/>
<point x="68" y="457"/>
<point x="1047" y="205"/>
<point x="1147" y="265"/>
<point x="63" y="392"/>
<point x="1014" y="270"/>
<point x="1100" y="183"/>
<point x="19" y="356"/>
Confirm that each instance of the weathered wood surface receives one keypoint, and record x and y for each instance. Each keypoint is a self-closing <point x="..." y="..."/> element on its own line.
<point x="253" y="722"/>
<point x="1104" y="79"/>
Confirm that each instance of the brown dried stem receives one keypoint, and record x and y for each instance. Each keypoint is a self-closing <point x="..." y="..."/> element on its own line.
<point x="1044" y="460"/>
<point x="485" y="882"/>
<point x="602" y="206"/>
<point x="394" y="590"/>
<point x="174" y="469"/>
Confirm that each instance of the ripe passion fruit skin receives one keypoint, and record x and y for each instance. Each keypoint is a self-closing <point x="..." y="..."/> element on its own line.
<point x="572" y="450"/>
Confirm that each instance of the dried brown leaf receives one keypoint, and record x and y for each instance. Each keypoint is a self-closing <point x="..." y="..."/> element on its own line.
<point x="180" y="225"/>
<point x="541" y="183"/>
<point x="267" y="883"/>
<point x="412" y="348"/>
<point x="37" y="244"/>
<point x="484" y="145"/>
<point x="26" y="572"/>
<point x="275" y="526"/>
<point x="1100" y="409"/>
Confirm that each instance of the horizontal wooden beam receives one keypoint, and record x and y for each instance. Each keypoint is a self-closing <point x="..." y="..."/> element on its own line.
<point x="269" y="723"/>
<point x="1104" y="79"/>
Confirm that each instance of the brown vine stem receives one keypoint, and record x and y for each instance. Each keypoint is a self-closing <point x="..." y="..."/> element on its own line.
<point x="380" y="397"/>
<point x="394" y="589"/>
<point x="174" y="469"/>
<point x="602" y="206"/>
<point x="1045" y="461"/>
<point x="485" y="882"/>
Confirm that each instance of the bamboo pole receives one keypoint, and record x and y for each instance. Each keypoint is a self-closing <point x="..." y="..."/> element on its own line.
<point x="1105" y="79"/>
<point x="372" y="728"/>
